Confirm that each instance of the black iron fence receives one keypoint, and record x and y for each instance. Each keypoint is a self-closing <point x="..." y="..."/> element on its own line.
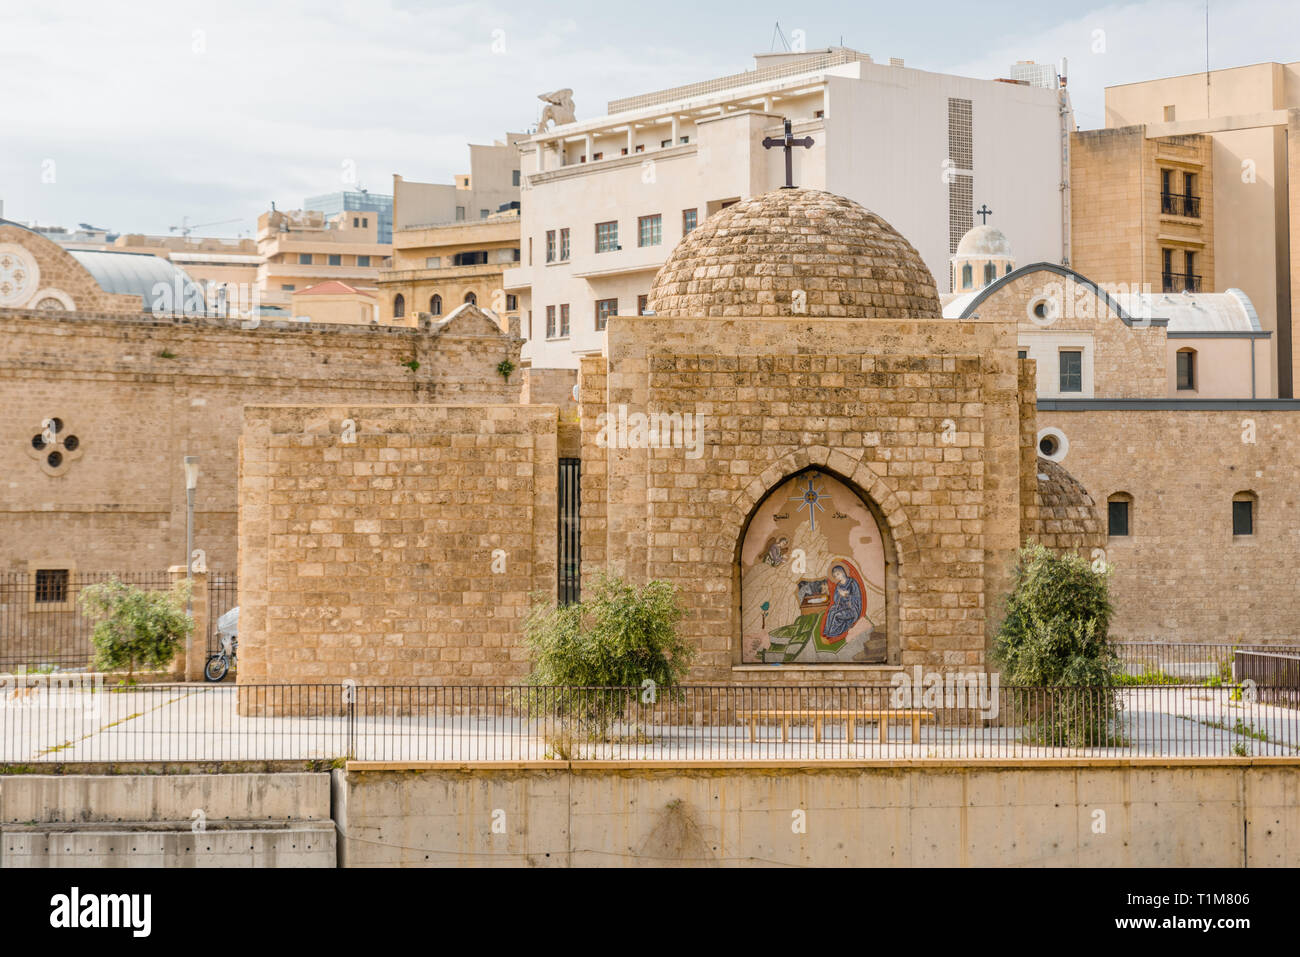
<point x="1180" y="282"/>
<point x="1174" y="662"/>
<point x="64" y="718"/>
<point x="1180" y="204"/>
<point x="42" y="626"/>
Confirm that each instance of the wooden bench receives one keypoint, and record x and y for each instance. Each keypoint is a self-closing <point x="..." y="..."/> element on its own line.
<point x="851" y="718"/>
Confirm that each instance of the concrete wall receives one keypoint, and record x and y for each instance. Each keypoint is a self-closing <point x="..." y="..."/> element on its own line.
<point x="173" y="820"/>
<point x="1207" y="814"/>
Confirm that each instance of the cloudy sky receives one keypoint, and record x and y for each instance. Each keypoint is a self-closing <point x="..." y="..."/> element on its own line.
<point x="133" y="115"/>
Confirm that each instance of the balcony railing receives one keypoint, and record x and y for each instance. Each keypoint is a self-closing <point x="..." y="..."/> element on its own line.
<point x="1180" y="204"/>
<point x="1180" y="282"/>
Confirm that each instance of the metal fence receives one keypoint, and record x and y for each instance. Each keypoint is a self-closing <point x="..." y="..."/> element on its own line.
<point x="42" y="626"/>
<point x="1175" y="662"/>
<point x="52" y="719"/>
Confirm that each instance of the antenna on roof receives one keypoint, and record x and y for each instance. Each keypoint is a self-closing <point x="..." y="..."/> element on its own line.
<point x="777" y="34"/>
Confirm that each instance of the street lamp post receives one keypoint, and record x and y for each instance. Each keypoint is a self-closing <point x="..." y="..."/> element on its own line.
<point x="191" y="484"/>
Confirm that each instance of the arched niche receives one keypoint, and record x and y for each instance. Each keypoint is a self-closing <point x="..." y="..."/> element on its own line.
<point x="816" y="575"/>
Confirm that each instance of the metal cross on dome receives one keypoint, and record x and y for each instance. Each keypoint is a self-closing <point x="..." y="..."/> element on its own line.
<point x="984" y="213"/>
<point x="788" y="143"/>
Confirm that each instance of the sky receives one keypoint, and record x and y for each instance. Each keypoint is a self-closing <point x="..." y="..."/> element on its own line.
<point x="146" y="115"/>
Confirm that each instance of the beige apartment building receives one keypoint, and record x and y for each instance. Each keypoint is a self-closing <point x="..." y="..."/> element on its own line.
<point x="1195" y="182"/>
<point x="303" y="248"/>
<point x="439" y="267"/>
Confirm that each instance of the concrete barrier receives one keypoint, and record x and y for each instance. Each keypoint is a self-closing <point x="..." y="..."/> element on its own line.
<point x="1104" y="813"/>
<point x="167" y="820"/>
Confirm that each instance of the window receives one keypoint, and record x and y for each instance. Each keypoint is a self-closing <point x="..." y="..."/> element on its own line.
<point x="363" y="261"/>
<point x="1186" y="370"/>
<point x="604" y="309"/>
<point x="1243" y="514"/>
<point x="514" y="177"/>
<point x="304" y="259"/>
<point x="399" y="306"/>
<point x="564" y="245"/>
<point x="606" y="237"/>
<point x="435" y="304"/>
<point x="484" y="213"/>
<point x="1071" y="370"/>
<point x="477" y="257"/>
<point x="365" y="222"/>
<point x="642" y="305"/>
<point x="664" y="144"/>
<point x="512" y="302"/>
<point x="967" y="276"/>
<point x="1192" y="280"/>
<point x="51" y="586"/>
<point x="335" y="259"/>
<point x="596" y="156"/>
<point x="1169" y="114"/>
<point x="819" y="114"/>
<point x="624" y="153"/>
<point x="432" y="262"/>
<point x="990" y="273"/>
<point x="1007" y="272"/>
<point x="550" y="245"/>
<point x="1167" y="269"/>
<point x="683" y="139"/>
<point x="649" y="230"/>
<point x="564" y="319"/>
<point x="288" y="288"/>
<point x="550" y="322"/>
<point x="530" y="323"/>
<point x="356" y="222"/>
<point x="471" y="298"/>
<point x="1022" y="354"/>
<point x="690" y="219"/>
<point x="460" y="213"/>
<point x="1118" y="509"/>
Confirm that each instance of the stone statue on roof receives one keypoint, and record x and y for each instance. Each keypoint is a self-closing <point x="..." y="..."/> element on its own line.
<point x="558" y="109"/>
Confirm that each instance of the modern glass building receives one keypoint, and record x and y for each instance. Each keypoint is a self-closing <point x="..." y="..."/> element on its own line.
<point x="331" y="204"/>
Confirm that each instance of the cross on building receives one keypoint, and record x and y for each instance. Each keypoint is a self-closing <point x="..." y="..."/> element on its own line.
<point x="984" y="213"/>
<point x="788" y="143"/>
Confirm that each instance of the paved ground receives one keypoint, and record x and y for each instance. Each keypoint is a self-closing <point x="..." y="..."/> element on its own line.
<point x="201" y="723"/>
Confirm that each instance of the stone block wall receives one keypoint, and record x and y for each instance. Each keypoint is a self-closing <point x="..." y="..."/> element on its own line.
<point x="869" y="400"/>
<point x="405" y="557"/>
<point x="140" y="393"/>
<point x="1181" y="575"/>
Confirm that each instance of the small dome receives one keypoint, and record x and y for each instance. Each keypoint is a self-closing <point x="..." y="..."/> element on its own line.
<point x="984" y="242"/>
<point x="750" y="259"/>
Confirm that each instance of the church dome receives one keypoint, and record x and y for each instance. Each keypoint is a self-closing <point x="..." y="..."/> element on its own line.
<point x="984" y="242"/>
<point x="750" y="259"/>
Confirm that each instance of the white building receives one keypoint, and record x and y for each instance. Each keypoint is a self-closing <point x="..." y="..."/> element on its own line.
<point x="605" y="200"/>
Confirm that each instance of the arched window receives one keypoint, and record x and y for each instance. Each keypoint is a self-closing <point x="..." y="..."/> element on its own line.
<point x="967" y="276"/>
<point x="1185" y="369"/>
<point x="990" y="272"/>
<point x="1244" y="508"/>
<point x="1119" y="515"/>
<point x="435" y="304"/>
<point x="1007" y="272"/>
<point x="399" y="306"/>
<point x="471" y="299"/>
<point x="813" y="577"/>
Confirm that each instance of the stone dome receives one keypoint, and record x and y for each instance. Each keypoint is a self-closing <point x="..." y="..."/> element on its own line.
<point x="984" y="242"/>
<point x="750" y="259"/>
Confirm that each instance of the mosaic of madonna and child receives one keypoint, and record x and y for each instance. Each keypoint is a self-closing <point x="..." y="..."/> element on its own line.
<point x="812" y="577"/>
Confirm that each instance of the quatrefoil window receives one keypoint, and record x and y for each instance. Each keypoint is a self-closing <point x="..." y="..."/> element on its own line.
<point x="54" y="446"/>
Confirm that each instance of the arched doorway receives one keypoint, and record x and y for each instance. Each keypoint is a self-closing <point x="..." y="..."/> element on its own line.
<point x="814" y="576"/>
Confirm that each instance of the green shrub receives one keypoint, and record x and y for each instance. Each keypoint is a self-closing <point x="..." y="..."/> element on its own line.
<point x="619" y="637"/>
<point x="1055" y="636"/>
<point x="136" y="627"/>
